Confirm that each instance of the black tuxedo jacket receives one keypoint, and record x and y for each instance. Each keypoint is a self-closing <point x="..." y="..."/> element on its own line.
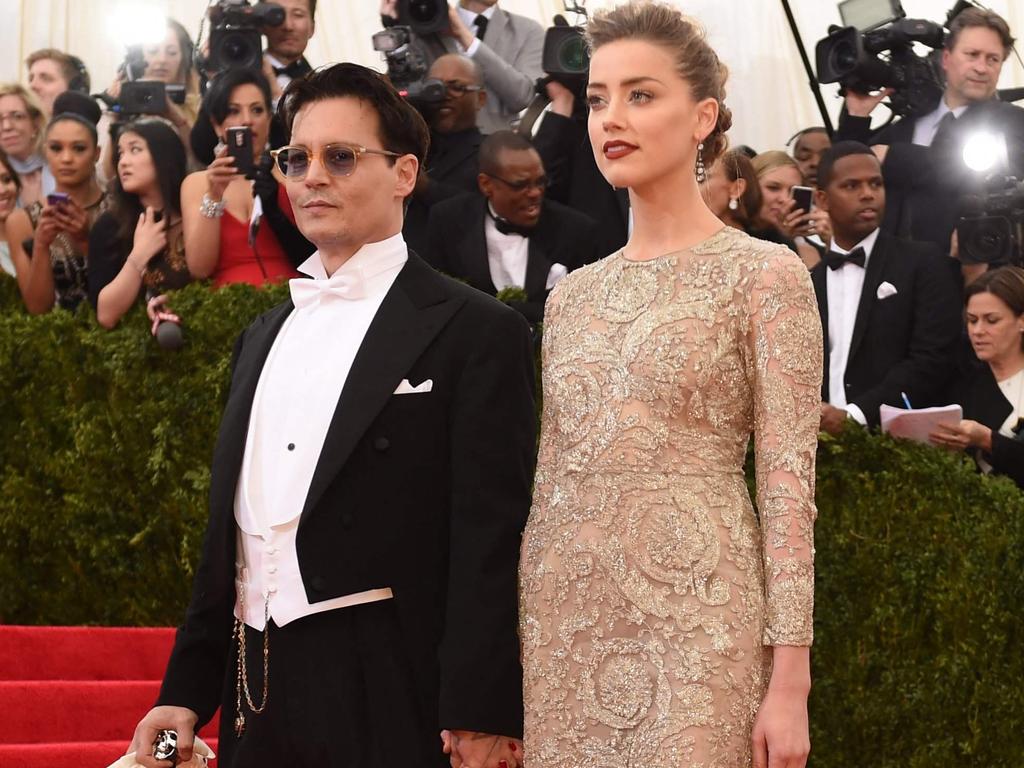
<point x="452" y="168"/>
<point x="564" y="146"/>
<point x="904" y="343"/>
<point x="424" y="493"/>
<point x="457" y="246"/>
<point x="984" y="402"/>
<point x="924" y="185"/>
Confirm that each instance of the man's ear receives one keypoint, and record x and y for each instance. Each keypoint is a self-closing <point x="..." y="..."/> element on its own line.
<point x="481" y="99"/>
<point x="408" y="168"/>
<point x="483" y="181"/>
<point x="821" y="200"/>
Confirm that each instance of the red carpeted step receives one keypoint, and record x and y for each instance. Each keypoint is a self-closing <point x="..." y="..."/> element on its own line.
<point x="97" y="754"/>
<point x="84" y="653"/>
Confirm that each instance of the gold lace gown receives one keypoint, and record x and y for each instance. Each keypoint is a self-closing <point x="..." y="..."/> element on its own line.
<point x="649" y="588"/>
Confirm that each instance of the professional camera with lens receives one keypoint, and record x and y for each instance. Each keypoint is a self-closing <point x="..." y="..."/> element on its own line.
<point x="876" y="50"/>
<point x="407" y="67"/>
<point x="424" y="17"/>
<point x="236" y="35"/>
<point x="566" y="59"/>
<point x="992" y="228"/>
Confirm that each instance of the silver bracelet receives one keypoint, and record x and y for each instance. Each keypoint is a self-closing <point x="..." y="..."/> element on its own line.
<point x="210" y="208"/>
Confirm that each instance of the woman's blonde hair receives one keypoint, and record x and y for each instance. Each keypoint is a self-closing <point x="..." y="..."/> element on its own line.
<point x="32" y="106"/>
<point x="696" y="61"/>
<point x="766" y="162"/>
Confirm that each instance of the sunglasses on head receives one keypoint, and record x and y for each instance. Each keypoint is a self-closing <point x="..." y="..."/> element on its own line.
<point x="338" y="159"/>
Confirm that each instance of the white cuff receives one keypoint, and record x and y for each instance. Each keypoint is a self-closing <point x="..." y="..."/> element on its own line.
<point x="856" y="414"/>
<point x="473" y="47"/>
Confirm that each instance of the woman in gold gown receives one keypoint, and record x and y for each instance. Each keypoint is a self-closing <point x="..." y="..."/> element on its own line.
<point x="664" y="623"/>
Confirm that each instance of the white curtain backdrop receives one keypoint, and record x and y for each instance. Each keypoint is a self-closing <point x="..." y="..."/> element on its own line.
<point x="768" y="90"/>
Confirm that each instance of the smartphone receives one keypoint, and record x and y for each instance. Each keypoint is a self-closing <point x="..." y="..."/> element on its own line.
<point x="175" y="93"/>
<point x="804" y="197"/>
<point x="239" y="142"/>
<point x="55" y="199"/>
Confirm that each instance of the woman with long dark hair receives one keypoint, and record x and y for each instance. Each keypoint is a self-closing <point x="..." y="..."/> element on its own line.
<point x="137" y="247"/>
<point x="10" y="186"/>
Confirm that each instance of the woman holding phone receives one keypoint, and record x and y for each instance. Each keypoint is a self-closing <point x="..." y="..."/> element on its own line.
<point x="217" y="204"/>
<point x="54" y="271"/>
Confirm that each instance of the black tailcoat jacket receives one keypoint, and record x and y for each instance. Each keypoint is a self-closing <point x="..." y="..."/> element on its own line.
<point x="427" y="494"/>
<point x="906" y="342"/>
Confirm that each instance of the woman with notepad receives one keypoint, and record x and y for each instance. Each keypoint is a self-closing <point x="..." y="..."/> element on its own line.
<point x="992" y="394"/>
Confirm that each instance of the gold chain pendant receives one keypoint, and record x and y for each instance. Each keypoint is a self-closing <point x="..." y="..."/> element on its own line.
<point x="239" y="725"/>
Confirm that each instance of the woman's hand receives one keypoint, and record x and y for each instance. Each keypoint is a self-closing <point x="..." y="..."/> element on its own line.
<point x="72" y="219"/>
<point x="780" y="737"/>
<point x="821" y="225"/>
<point x="219" y="175"/>
<point x="150" y="239"/>
<point x="966" y="434"/>
<point x="46" y="229"/>
<point x="158" y="312"/>
<point x="794" y="222"/>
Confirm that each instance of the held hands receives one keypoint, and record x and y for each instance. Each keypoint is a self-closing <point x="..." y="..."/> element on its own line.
<point x="966" y="434"/>
<point x="220" y="173"/>
<point x="178" y="719"/>
<point x="780" y="737"/>
<point x="150" y="239"/>
<point x="469" y="749"/>
<point x="833" y="420"/>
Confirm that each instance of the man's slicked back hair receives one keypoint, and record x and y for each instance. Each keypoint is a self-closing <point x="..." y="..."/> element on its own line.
<point x="401" y="128"/>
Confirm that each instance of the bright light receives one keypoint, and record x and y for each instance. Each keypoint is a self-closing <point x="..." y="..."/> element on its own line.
<point x="984" y="151"/>
<point x="137" y="24"/>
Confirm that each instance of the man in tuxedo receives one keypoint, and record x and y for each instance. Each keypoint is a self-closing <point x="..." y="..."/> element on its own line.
<point x="924" y="172"/>
<point x="889" y="308"/>
<point x="370" y="484"/>
<point x="285" y="56"/>
<point x="451" y="167"/>
<point x="509" y="236"/>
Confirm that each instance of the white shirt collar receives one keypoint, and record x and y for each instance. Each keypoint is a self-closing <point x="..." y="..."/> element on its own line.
<point x="468" y="17"/>
<point x="371" y="260"/>
<point x="868" y="244"/>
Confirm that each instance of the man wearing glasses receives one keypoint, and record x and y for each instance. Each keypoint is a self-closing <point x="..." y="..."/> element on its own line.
<point x="357" y="588"/>
<point x="451" y="167"/>
<point x="508" y="235"/>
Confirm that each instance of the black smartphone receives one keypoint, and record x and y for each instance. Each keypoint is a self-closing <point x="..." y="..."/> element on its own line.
<point x="804" y="197"/>
<point x="239" y="142"/>
<point x="143" y="97"/>
<point x="55" y="199"/>
<point x="175" y="93"/>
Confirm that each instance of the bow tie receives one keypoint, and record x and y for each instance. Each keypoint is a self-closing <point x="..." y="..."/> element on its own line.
<point x="506" y="227"/>
<point x="295" y="69"/>
<point x="350" y="285"/>
<point x="835" y="260"/>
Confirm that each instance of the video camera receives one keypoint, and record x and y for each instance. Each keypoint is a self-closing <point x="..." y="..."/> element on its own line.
<point x="992" y="228"/>
<point x="423" y="17"/>
<point x="875" y="49"/>
<point x="140" y="97"/>
<point x="407" y="67"/>
<point x="236" y="35"/>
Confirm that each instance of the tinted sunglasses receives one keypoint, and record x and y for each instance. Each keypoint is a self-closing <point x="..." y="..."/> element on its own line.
<point x="339" y="159"/>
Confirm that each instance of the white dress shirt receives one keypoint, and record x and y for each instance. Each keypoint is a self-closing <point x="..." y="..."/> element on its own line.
<point x="1013" y="390"/>
<point x="926" y="126"/>
<point x="507" y="255"/>
<point x="293" y="407"/>
<point x="469" y="19"/>
<point x="843" y="289"/>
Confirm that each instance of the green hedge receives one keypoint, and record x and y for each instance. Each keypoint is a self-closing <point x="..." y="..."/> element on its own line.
<point x="105" y="444"/>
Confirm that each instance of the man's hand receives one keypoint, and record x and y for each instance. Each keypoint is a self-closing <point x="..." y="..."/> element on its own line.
<point x="562" y="99"/>
<point x="389" y="8"/>
<point x="457" y="28"/>
<point x="833" y="419"/>
<point x="268" y="72"/>
<point x="469" y="749"/>
<point x="863" y="104"/>
<point x="178" y="719"/>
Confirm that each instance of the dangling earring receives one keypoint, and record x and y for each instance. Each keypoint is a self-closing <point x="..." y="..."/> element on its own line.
<point x="702" y="175"/>
<point x="734" y="203"/>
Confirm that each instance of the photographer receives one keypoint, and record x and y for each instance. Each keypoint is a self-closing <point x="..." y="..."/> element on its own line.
<point x="51" y="72"/>
<point x="284" y="58"/>
<point x="221" y="240"/>
<point x="924" y="172"/>
<point x="507" y="47"/>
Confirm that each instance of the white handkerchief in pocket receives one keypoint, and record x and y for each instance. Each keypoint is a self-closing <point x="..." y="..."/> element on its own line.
<point x="885" y="290"/>
<point x="405" y="388"/>
<point x="557" y="272"/>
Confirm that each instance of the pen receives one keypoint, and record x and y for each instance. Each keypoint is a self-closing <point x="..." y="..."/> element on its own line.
<point x="906" y="400"/>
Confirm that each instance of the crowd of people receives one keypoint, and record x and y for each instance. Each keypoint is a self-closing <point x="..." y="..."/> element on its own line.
<point x="118" y="209"/>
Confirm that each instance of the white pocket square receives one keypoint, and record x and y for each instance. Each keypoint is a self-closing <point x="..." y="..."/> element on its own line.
<point x="405" y="388"/>
<point x="557" y="272"/>
<point x="885" y="290"/>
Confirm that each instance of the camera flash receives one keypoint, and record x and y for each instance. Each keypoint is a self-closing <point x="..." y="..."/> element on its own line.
<point x="983" y="152"/>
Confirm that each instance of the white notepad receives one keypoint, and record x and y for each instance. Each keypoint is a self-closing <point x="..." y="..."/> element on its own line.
<point x="918" y="423"/>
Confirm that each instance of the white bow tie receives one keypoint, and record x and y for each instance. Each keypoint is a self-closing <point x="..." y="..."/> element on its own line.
<point x="351" y="285"/>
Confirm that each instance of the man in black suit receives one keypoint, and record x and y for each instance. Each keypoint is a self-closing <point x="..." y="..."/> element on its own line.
<point x="510" y="237"/>
<point x="370" y="484"/>
<point x="889" y="307"/>
<point x="451" y="167"/>
<point x="925" y="175"/>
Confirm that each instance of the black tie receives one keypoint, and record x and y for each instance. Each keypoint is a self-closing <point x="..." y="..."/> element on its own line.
<point x="506" y="227"/>
<point x="835" y="259"/>
<point x="944" y="131"/>
<point x="295" y="69"/>
<point x="481" y="25"/>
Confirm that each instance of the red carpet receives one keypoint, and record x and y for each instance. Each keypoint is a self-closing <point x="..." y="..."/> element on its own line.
<point x="71" y="696"/>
